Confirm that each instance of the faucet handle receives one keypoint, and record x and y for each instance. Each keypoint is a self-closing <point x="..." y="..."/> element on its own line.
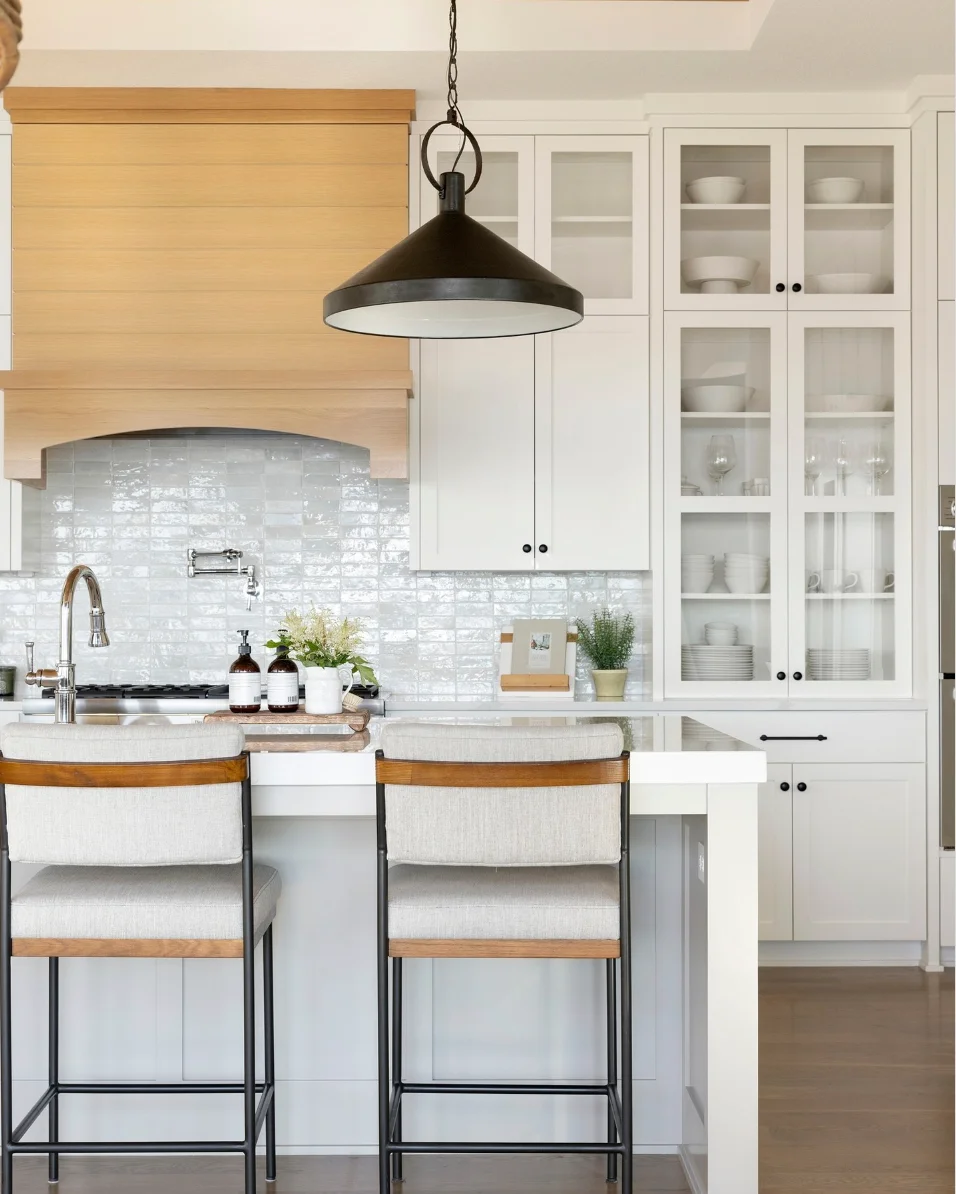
<point x="45" y="677"/>
<point x="29" y="646"/>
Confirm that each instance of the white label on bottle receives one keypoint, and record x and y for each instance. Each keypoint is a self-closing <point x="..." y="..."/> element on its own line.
<point x="245" y="688"/>
<point x="282" y="688"/>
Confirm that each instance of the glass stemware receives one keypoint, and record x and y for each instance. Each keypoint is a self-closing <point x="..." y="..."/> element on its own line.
<point x="721" y="459"/>
<point x="844" y="463"/>
<point x="876" y="464"/>
<point x="813" y="457"/>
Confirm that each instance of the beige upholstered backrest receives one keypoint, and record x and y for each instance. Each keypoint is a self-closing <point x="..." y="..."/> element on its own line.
<point x="123" y="826"/>
<point x="502" y="826"/>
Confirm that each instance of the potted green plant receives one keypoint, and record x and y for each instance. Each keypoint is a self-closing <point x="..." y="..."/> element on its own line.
<point x="607" y="641"/>
<point x="328" y="649"/>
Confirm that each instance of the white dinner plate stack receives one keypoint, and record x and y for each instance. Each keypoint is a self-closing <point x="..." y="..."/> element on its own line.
<point x="699" y="661"/>
<point x="745" y="573"/>
<point x="848" y="663"/>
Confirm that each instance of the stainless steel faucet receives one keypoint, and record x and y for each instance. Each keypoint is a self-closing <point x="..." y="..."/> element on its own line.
<point x="64" y="677"/>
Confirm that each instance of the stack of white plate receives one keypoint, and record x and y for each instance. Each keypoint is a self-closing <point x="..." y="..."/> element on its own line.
<point x="696" y="573"/>
<point x="848" y="663"/>
<point x="699" y="661"/>
<point x="745" y="573"/>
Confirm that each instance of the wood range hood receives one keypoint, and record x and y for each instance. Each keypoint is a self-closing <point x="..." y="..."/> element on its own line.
<point x="171" y="250"/>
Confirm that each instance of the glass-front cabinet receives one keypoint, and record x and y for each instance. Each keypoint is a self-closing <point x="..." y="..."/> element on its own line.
<point x="786" y="491"/>
<point x="799" y="220"/>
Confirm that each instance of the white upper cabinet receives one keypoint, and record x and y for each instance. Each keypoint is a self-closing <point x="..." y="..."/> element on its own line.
<point x="849" y="220"/>
<point x="725" y="213"/>
<point x="591" y="221"/>
<point x="804" y="220"/>
<point x="946" y="204"/>
<point x="591" y="429"/>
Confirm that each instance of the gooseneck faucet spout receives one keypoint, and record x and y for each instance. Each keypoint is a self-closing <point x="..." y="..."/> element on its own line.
<point x="65" y="708"/>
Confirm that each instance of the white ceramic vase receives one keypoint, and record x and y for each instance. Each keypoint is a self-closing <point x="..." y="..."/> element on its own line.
<point x="325" y="687"/>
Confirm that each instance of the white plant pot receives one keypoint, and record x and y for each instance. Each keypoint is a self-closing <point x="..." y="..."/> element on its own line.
<point x="325" y="687"/>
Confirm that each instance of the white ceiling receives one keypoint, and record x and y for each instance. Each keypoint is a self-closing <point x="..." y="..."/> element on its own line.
<point x="512" y="49"/>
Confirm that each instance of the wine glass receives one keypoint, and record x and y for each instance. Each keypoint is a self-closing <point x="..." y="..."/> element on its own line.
<point x="813" y="456"/>
<point x="844" y="463"/>
<point x="721" y="459"/>
<point x="876" y="464"/>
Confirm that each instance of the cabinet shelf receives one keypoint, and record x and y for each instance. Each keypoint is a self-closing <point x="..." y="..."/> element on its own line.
<point x="735" y="504"/>
<point x="849" y="596"/>
<point x="725" y="217"/>
<point x="704" y="415"/>
<point x="725" y="596"/>
<point x="847" y="217"/>
<point x="848" y="414"/>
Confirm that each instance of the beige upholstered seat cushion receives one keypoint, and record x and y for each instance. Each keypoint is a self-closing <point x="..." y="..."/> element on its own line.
<point x="123" y="826"/>
<point x="567" y="826"/>
<point x="537" y="903"/>
<point x="127" y="903"/>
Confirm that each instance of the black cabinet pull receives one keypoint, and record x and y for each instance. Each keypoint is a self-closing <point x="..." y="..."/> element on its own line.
<point x="542" y="547"/>
<point x="798" y="675"/>
<point x="781" y="675"/>
<point x="780" y="288"/>
<point x="801" y="787"/>
<point x="797" y="287"/>
<point x="793" y="737"/>
<point x="526" y="548"/>
<point x="784" y="787"/>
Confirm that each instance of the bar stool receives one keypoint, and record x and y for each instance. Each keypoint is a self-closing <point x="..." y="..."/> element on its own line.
<point x="503" y="842"/>
<point x="145" y="833"/>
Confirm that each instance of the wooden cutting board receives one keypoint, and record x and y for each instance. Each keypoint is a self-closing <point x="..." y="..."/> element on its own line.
<point x="357" y="720"/>
<point x="285" y="743"/>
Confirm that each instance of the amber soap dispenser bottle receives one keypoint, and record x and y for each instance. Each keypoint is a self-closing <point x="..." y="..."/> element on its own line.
<point x="245" y="680"/>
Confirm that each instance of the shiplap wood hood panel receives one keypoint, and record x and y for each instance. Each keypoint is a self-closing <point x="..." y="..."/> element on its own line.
<point x="171" y="250"/>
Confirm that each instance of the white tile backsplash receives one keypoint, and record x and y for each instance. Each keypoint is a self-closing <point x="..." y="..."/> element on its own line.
<point x="317" y="528"/>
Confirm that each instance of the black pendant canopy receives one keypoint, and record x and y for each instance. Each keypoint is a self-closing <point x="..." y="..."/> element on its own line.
<point x="453" y="278"/>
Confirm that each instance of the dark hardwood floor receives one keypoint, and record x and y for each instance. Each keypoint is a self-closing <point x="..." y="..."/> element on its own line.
<point x="856" y="1072"/>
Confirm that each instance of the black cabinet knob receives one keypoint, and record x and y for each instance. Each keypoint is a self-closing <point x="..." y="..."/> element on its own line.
<point x="798" y="675"/>
<point x="797" y="287"/>
<point x="780" y="287"/>
<point x="784" y="787"/>
<point x="781" y="675"/>
<point x="542" y="547"/>
<point x="526" y="548"/>
<point x="801" y="787"/>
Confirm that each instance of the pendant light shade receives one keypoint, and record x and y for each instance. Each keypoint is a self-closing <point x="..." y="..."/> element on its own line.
<point x="453" y="279"/>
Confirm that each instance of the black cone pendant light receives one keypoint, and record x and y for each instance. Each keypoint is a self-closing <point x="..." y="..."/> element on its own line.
<point x="453" y="278"/>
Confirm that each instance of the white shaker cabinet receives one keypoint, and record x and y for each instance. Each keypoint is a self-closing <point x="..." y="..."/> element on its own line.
<point x="859" y="852"/>
<point x="775" y="850"/>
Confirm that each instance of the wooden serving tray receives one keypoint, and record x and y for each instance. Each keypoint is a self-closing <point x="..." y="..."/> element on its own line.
<point x="286" y="743"/>
<point x="357" y="719"/>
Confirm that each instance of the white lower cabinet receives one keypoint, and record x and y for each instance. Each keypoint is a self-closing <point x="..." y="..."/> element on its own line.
<point x="533" y="451"/>
<point x="859" y="852"/>
<point x="775" y="845"/>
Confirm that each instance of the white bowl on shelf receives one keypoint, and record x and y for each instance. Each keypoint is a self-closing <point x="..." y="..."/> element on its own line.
<point x="849" y="403"/>
<point x="719" y="275"/>
<point x="835" y="190"/>
<point x="847" y="283"/>
<point x="707" y="398"/>
<point x="718" y="188"/>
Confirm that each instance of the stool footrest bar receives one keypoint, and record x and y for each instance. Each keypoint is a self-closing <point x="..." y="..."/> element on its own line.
<point x="154" y="1088"/>
<point x="503" y="1088"/>
<point x="131" y="1146"/>
<point x="505" y="1146"/>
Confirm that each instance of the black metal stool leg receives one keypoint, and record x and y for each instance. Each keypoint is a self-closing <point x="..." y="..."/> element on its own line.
<point x="397" y="1175"/>
<point x="54" y="1065"/>
<point x="268" y="1012"/>
<point x="611" y="982"/>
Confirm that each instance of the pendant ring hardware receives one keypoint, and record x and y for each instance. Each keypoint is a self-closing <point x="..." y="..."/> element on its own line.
<point x="469" y="137"/>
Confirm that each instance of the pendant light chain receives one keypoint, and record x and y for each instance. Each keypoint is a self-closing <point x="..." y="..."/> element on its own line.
<point x="454" y="112"/>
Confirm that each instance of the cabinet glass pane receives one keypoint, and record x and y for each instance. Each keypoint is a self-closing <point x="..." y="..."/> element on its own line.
<point x="591" y="222"/>
<point x="725" y="412"/>
<point x="849" y="425"/>
<point x="848" y="219"/>
<point x="725" y="597"/>
<point x="494" y="201"/>
<point x="725" y="219"/>
<point x="849" y="594"/>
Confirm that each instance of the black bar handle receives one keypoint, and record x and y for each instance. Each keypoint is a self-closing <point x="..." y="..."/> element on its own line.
<point x="793" y="737"/>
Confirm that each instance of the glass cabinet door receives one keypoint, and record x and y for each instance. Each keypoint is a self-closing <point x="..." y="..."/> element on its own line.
<point x="725" y="462"/>
<point x="725" y="211"/>
<point x="849" y="220"/>
<point x="849" y="503"/>
<point x="503" y="200"/>
<point x="591" y="217"/>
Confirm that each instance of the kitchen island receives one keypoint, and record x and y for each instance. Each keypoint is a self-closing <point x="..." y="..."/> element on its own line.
<point x="694" y="890"/>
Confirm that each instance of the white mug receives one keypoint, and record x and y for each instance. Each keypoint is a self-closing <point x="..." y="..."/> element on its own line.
<point x="325" y="687"/>
<point x="877" y="580"/>
<point x="832" y="580"/>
